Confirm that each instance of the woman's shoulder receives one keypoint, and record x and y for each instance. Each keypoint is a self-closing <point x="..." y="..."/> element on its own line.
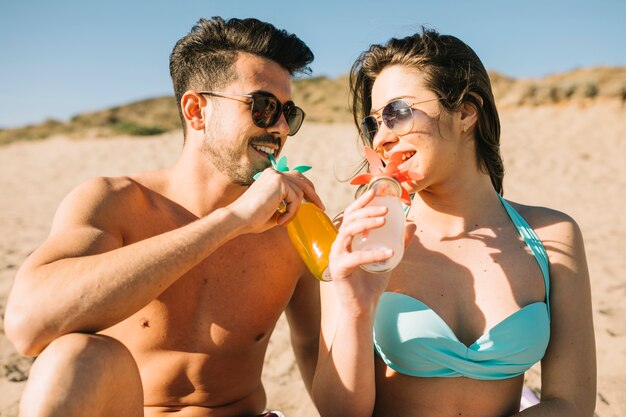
<point x="539" y="216"/>
<point x="553" y="227"/>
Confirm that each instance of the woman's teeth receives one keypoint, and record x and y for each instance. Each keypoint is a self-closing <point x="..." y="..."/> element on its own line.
<point x="407" y="155"/>
<point x="265" y="149"/>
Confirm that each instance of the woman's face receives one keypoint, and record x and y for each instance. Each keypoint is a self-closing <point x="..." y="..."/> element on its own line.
<point x="430" y="142"/>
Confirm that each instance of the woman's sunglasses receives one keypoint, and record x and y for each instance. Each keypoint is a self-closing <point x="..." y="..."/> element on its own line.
<point x="266" y="109"/>
<point x="397" y="115"/>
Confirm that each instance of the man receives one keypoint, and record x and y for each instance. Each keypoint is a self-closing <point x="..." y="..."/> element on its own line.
<point x="157" y="293"/>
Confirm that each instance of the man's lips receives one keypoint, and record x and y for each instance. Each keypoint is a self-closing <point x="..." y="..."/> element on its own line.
<point x="266" y="149"/>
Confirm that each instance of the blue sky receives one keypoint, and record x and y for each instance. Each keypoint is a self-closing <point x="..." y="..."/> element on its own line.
<point x="61" y="58"/>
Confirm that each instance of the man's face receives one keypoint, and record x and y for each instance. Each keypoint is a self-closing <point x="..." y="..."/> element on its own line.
<point x="233" y="143"/>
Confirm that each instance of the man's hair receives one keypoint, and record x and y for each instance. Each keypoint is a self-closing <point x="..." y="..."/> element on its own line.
<point x="204" y="58"/>
<point x="451" y="70"/>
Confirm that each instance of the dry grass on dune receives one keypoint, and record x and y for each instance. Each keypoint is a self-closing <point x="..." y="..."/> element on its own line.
<point x="584" y="84"/>
<point x="142" y="118"/>
<point x="326" y="100"/>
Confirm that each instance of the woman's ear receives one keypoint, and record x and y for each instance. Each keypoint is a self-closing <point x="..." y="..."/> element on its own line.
<point x="469" y="112"/>
<point x="191" y="104"/>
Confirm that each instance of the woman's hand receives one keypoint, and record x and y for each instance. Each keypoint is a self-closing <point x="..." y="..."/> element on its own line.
<point x="357" y="289"/>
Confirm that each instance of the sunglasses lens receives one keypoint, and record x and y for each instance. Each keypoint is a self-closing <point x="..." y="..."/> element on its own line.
<point x="265" y="110"/>
<point x="295" y="117"/>
<point x="369" y="126"/>
<point x="398" y="117"/>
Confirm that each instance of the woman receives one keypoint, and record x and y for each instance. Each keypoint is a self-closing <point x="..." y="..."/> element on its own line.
<point x="478" y="298"/>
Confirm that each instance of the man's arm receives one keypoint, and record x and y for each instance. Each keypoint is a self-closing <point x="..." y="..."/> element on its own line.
<point x="84" y="278"/>
<point x="303" y="315"/>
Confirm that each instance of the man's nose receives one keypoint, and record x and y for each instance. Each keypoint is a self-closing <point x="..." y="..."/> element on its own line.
<point x="281" y="126"/>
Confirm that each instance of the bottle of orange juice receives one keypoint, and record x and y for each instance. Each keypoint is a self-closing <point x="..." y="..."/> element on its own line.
<point x="312" y="233"/>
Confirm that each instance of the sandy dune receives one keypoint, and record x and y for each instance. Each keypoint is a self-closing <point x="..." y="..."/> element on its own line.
<point x="564" y="157"/>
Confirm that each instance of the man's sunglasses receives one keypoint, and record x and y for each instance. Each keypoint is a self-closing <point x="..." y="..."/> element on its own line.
<point x="266" y="109"/>
<point x="397" y="115"/>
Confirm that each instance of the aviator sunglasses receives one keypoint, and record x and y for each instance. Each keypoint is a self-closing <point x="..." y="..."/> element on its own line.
<point x="266" y="109"/>
<point x="397" y="115"/>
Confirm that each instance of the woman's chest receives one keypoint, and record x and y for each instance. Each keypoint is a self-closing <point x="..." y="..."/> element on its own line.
<point x="471" y="284"/>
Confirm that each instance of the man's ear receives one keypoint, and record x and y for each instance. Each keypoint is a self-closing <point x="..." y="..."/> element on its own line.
<point x="191" y="104"/>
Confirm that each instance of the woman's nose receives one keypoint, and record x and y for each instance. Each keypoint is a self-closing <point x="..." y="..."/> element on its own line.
<point x="384" y="140"/>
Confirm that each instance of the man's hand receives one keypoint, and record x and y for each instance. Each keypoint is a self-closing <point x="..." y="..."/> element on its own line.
<point x="259" y="205"/>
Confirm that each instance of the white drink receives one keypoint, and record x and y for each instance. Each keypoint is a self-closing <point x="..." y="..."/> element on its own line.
<point x="391" y="234"/>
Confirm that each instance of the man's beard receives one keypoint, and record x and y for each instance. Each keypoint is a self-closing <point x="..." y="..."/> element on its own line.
<point x="226" y="158"/>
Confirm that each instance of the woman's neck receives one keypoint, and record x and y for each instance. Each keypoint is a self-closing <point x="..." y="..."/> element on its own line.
<point x="457" y="209"/>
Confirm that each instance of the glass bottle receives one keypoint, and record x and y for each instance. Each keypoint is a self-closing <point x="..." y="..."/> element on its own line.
<point x="312" y="234"/>
<point x="391" y="235"/>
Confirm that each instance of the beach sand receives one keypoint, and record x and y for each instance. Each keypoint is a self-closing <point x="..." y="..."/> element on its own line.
<point x="564" y="157"/>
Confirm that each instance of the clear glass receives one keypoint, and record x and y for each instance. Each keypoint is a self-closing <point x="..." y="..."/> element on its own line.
<point x="391" y="235"/>
<point x="313" y="233"/>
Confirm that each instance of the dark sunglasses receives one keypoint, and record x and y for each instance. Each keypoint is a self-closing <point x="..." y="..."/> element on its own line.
<point x="397" y="115"/>
<point x="266" y="109"/>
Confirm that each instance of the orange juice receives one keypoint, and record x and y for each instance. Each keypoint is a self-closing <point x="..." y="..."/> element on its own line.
<point x="312" y="233"/>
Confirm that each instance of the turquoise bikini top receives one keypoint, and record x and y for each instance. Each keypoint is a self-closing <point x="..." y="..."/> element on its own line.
<point x="413" y="340"/>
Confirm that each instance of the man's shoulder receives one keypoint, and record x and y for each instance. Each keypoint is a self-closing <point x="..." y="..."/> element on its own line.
<point x="106" y="188"/>
<point x="100" y="195"/>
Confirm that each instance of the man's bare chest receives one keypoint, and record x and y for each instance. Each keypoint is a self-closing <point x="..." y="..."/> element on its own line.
<point x="233" y="297"/>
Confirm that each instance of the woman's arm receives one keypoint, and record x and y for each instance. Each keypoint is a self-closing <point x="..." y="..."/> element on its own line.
<point x="568" y="369"/>
<point x="344" y="383"/>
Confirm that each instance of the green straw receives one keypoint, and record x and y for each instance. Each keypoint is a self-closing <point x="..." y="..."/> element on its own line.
<point x="272" y="160"/>
<point x="281" y="166"/>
